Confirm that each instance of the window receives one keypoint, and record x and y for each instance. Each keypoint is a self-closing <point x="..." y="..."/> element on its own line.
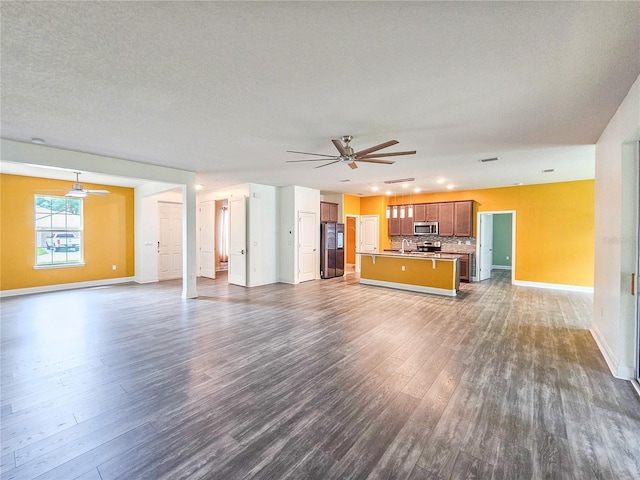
<point x="58" y="227"/>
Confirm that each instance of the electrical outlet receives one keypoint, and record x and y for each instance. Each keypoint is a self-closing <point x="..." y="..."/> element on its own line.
<point x="113" y="267"/>
<point x="507" y="257"/>
<point x="403" y="269"/>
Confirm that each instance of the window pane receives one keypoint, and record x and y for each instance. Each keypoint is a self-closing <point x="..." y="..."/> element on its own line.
<point x="58" y="229"/>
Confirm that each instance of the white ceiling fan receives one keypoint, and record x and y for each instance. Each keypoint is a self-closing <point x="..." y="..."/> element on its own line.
<point x="348" y="156"/>
<point x="77" y="191"/>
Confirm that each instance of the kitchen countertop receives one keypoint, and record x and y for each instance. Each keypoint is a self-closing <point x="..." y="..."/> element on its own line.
<point x="413" y="254"/>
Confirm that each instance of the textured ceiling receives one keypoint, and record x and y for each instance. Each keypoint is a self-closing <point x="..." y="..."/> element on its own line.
<point x="225" y="88"/>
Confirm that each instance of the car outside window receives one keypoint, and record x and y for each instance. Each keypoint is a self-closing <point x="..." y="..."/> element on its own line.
<point x="58" y="230"/>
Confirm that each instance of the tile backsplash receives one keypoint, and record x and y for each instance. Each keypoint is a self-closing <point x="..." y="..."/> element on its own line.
<point x="449" y="244"/>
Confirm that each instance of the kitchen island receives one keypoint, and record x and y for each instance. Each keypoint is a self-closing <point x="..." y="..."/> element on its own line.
<point x="436" y="273"/>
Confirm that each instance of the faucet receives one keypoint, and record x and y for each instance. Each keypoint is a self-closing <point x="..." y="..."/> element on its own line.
<point x="402" y="248"/>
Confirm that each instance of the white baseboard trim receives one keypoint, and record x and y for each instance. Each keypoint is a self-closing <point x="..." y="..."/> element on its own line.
<point x="65" y="286"/>
<point x="623" y="372"/>
<point x="553" y="286"/>
<point x="410" y="288"/>
<point x="500" y="267"/>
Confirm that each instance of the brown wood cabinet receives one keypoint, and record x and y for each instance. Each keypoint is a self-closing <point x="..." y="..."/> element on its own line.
<point x="420" y="212"/>
<point x="328" y="212"/>
<point x="446" y="219"/>
<point x="394" y="227"/>
<point x="406" y="225"/>
<point x="463" y="219"/>
<point x="432" y="212"/>
<point x="464" y="267"/>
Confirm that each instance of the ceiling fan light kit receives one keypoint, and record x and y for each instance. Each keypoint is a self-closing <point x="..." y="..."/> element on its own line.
<point x="348" y="156"/>
<point x="77" y="191"/>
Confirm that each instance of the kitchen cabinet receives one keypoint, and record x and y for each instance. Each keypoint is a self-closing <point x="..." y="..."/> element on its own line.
<point x="420" y="212"/>
<point x="394" y="227"/>
<point x="432" y="211"/>
<point x="406" y="225"/>
<point x="446" y="215"/>
<point x="464" y="267"/>
<point x="328" y="212"/>
<point x="463" y="219"/>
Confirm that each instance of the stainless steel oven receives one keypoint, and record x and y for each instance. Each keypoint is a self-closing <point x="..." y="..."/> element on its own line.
<point x="425" y="228"/>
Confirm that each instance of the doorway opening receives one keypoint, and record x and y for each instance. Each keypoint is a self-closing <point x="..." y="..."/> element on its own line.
<point x="496" y="244"/>
<point x="222" y="235"/>
<point x="351" y="228"/>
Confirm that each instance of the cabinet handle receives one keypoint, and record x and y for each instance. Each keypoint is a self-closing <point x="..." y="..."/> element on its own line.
<point x="633" y="284"/>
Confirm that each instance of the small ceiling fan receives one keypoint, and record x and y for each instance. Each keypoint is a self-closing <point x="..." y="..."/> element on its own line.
<point x="77" y="191"/>
<point x="348" y="156"/>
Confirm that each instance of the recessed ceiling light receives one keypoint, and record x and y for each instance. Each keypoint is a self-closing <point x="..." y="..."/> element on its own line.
<point x="405" y="185"/>
<point x="548" y="170"/>
<point x="518" y="184"/>
<point x="374" y="188"/>
<point x="416" y="190"/>
<point x="450" y="186"/>
<point x="388" y="192"/>
<point x="441" y="180"/>
<point x="199" y="186"/>
<point x="39" y="141"/>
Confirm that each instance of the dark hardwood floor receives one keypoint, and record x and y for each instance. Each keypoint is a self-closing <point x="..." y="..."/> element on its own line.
<point x="327" y="379"/>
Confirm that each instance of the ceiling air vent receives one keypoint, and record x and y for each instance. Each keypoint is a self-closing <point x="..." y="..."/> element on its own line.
<point x="485" y="160"/>
<point x="548" y="170"/>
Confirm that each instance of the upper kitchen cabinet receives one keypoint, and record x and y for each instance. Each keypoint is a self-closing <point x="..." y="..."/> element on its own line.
<point x="446" y="219"/>
<point x="455" y="219"/>
<point x="394" y="227"/>
<point x="328" y="212"/>
<point x="432" y="212"/>
<point x="463" y="219"/>
<point x="406" y="223"/>
<point x="420" y="212"/>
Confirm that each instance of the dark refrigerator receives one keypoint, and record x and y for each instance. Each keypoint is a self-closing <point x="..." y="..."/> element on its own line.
<point x="331" y="249"/>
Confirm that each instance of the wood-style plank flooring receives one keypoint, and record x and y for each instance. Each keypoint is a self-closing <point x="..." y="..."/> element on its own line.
<point x="327" y="379"/>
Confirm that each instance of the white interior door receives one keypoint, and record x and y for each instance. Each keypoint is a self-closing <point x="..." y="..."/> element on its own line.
<point x="486" y="246"/>
<point x="208" y="239"/>
<point x="369" y="236"/>
<point x="170" y="242"/>
<point x="238" y="242"/>
<point x="307" y="246"/>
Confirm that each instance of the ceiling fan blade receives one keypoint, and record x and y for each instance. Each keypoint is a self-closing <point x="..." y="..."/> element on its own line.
<point x="330" y="163"/>
<point x="340" y="147"/>
<point x="352" y="165"/>
<point x="390" y="154"/>
<point x="316" y="154"/>
<point x="376" y="147"/>
<point x="366" y="160"/>
<point x="311" y="160"/>
<point x="102" y="193"/>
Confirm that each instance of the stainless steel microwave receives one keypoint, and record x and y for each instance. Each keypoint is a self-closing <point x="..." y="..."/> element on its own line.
<point x="425" y="228"/>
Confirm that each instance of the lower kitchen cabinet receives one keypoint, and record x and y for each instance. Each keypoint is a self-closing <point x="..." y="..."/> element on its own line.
<point x="464" y="267"/>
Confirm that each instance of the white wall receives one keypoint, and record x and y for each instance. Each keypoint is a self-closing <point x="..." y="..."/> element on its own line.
<point x="287" y="235"/>
<point x="614" y="323"/>
<point x="292" y="200"/>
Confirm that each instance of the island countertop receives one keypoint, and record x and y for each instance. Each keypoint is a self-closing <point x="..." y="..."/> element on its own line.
<point x="411" y="271"/>
<point x="414" y="254"/>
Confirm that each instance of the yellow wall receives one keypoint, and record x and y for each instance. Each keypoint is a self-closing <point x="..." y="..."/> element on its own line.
<point x="554" y="226"/>
<point x="108" y="234"/>
<point x="351" y="205"/>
